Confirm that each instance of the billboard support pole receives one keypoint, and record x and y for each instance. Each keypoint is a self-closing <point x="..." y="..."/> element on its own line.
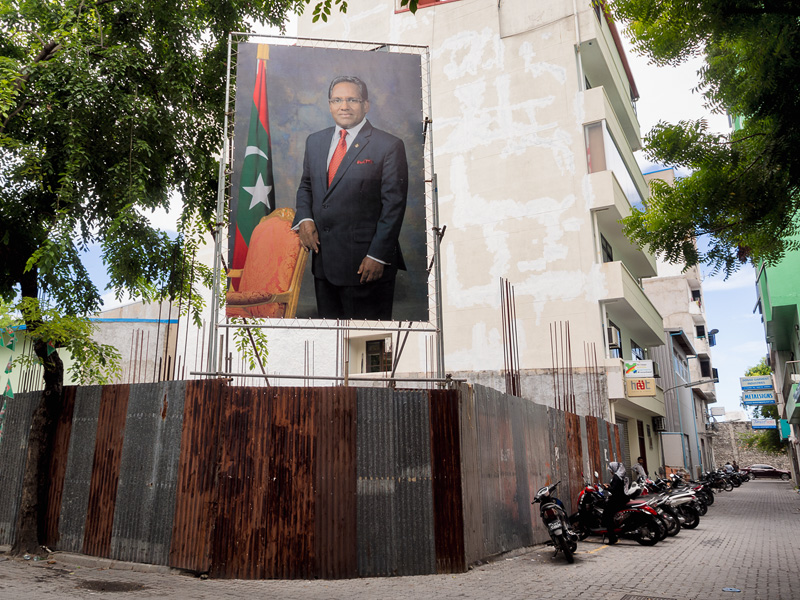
<point x="220" y="222"/>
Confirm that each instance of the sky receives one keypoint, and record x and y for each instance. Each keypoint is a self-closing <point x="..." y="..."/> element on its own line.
<point x="666" y="94"/>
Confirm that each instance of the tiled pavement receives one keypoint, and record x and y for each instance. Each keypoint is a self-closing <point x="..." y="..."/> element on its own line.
<point x="749" y="540"/>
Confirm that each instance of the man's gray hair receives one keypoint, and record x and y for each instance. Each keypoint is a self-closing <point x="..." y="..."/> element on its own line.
<point x="362" y="87"/>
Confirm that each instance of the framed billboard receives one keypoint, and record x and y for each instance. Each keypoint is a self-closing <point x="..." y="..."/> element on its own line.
<point x="325" y="225"/>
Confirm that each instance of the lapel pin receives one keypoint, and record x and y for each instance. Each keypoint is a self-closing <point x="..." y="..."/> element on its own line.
<point x="356" y="145"/>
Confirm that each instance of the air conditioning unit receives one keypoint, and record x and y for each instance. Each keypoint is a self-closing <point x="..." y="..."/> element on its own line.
<point x="614" y="338"/>
<point x="659" y="423"/>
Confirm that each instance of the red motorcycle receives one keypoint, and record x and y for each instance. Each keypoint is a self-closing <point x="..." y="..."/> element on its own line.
<point x="637" y="521"/>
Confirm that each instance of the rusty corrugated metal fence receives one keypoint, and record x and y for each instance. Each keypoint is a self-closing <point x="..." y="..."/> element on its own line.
<point x="329" y="482"/>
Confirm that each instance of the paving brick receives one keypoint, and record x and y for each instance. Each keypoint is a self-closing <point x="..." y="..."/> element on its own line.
<point x="748" y="540"/>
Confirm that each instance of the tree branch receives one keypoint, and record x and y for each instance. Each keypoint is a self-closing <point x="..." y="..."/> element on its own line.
<point x="48" y="51"/>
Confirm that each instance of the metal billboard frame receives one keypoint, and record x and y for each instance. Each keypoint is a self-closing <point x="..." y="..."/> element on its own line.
<point x="433" y="231"/>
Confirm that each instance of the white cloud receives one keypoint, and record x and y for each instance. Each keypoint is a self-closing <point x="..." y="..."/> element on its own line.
<point x="743" y="278"/>
<point x="167" y="219"/>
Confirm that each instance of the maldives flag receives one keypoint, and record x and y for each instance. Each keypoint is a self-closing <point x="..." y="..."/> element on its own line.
<point x="256" y="197"/>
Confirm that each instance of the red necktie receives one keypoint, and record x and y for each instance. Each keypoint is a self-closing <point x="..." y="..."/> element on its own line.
<point x="338" y="155"/>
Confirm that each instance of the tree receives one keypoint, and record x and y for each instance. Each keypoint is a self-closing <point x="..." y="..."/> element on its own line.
<point x="743" y="193"/>
<point x="770" y="439"/>
<point x="107" y="108"/>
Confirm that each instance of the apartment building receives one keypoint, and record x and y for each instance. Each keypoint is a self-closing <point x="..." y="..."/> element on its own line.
<point x="534" y="120"/>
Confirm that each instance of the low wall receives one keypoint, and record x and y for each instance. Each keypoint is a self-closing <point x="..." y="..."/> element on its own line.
<point x="728" y="446"/>
<point x="330" y="482"/>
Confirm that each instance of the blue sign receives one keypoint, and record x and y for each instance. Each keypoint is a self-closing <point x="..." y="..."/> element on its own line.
<point x="764" y="424"/>
<point x="759" y="382"/>
<point x="758" y="397"/>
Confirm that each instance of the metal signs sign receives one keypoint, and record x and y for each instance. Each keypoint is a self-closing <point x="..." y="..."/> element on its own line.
<point x="764" y="424"/>
<point x="760" y="382"/>
<point x="717" y="411"/>
<point x="639" y="368"/>
<point x="758" y="397"/>
<point x="640" y="387"/>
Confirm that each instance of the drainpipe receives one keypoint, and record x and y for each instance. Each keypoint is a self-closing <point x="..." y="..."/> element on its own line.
<point x="578" y="45"/>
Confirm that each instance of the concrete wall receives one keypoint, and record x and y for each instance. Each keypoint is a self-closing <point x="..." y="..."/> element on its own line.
<point x="728" y="447"/>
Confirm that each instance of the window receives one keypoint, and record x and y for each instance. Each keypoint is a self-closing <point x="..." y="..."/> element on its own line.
<point x="681" y="365"/>
<point x="603" y="155"/>
<point x="378" y="359"/>
<point x="705" y="368"/>
<point x="637" y="352"/>
<point x="700" y="330"/>
<point x="697" y="298"/>
<point x="614" y="341"/>
<point x="606" y="249"/>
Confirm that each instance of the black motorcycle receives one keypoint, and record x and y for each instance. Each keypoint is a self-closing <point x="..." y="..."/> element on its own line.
<point x="554" y="517"/>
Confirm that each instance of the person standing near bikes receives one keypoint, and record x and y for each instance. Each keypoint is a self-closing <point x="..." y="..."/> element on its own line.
<point x="616" y="501"/>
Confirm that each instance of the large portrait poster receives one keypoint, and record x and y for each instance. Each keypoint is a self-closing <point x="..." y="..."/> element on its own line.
<point x="282" y="98"/>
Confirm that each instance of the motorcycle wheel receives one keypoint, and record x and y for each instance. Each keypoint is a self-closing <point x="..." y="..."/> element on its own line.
<point x="702" y="507"/>
<point x="709" y="497"/>
<point x="662" y="527"/>
<point x="672" y="521"/>
<point x="736" y="482"/>
<point x="691" y="516"/>
<point x="728" y="486"/>
<point x="566" y="548"/>
<point x="648" y="532"/>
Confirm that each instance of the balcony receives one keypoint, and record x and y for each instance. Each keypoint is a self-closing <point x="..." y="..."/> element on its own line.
<point x="609" y="205"/>
<point x="793" y="405"/>
<point x="627" y="305"/>
<point x="603" y="66"/>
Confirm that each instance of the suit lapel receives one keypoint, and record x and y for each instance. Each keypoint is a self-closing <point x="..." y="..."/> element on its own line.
<point x="356" y="148"/>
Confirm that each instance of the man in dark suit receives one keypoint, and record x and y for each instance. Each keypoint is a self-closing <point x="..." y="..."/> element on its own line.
<point x="350" y="206"/>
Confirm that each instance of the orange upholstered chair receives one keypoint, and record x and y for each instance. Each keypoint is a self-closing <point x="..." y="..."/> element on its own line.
<point x="269" y="284"/>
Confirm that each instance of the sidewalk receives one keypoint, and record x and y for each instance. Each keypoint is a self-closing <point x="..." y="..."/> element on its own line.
<point x="749" y="540"/>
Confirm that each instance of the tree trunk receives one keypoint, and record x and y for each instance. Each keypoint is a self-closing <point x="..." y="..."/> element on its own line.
<point x="31" y="519"/>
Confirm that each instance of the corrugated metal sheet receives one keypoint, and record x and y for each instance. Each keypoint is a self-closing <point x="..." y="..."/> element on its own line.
<point x="573" y="485"/>
<point x="78" y="473"/>
<point x="448" y="508"/>
<point x="593" y="442"/>
<point x="195" y="498"/>
<point x="290" y="510"/>
<point x="336" y="484"/>
<point x="395" y="492"/>
<point x="239" y="540"/>
<point x="470" y="475"/>
<point x="148" y="473"/>
<point x="105" y="472"/>
<point x="13" y="452"/>
<point x="537" y="456"/>
<point x="58" y="466"/>
<point x="522" y="496"/>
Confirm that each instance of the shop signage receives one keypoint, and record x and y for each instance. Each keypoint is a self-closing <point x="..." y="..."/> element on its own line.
<point x="760" y="382"/>
<point x="764" y="424"/>
<point x="638" y="369"/>
<point x="640" y="387"/>
<point x="757" y="397"/>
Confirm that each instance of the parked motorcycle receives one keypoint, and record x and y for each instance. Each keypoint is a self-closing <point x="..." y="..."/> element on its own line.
<point x="554" y="517"/>
<point x="637" y="520"/>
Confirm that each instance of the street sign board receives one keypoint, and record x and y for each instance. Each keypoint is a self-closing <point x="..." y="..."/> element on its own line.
<point x="640" y="387"/>
<point x="717" y="411"/>
<point x="758" y="397"/>
<point x="639" y="368"/>
<point x="764" y="424"/>
<point x="760" y="382"/>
